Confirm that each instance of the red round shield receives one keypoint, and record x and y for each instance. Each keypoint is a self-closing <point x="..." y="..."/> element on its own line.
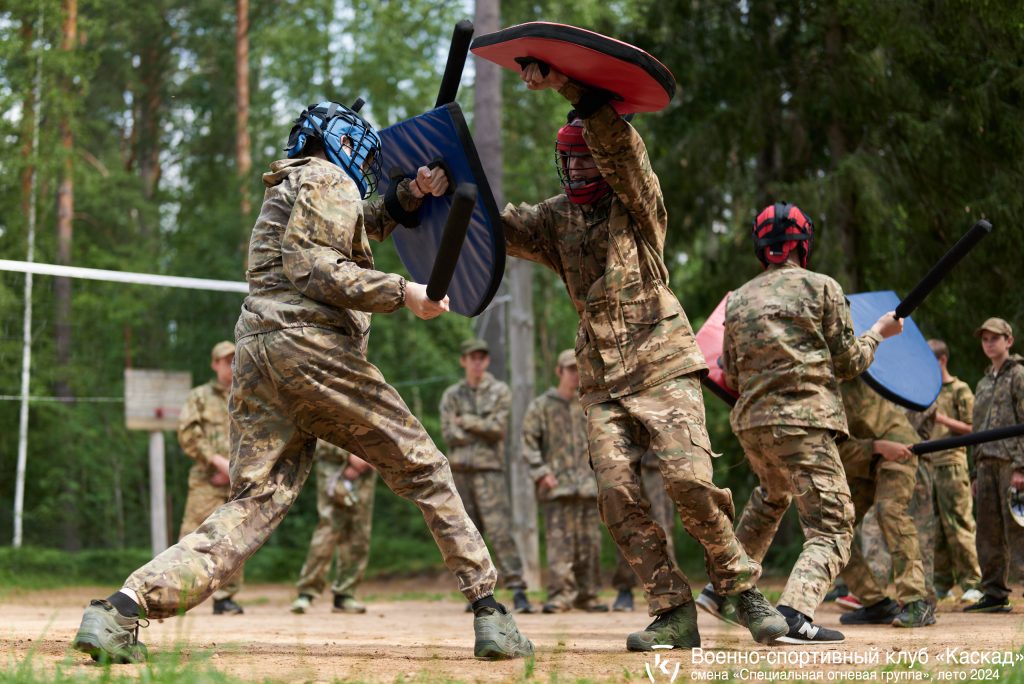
<point x="639" y="82"/>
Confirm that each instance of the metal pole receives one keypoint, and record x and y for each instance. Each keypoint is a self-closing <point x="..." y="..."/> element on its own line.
<point x="157" y="493"/>
<point x="26" y="344"/>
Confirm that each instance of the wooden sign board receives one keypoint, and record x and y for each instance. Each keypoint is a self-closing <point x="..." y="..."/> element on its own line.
<point x="153" y="399"/>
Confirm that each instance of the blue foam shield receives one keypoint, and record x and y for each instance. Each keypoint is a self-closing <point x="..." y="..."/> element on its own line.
<point x="905" y="370"/>
<point x="442" y="134"/>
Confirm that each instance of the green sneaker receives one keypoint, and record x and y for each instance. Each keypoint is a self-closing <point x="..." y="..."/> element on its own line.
<point x="755" y="613"/>
<point x="108" y="636"/>
<point x="497" y="637"/>
<point x="915" y="614"/>
<point x="346" y="603"/>
<point x="302" y="604"/>
<point x="676" y="628"/>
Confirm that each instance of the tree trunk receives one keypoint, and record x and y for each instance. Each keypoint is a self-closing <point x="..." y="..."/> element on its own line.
<point x="841" y="212"/>
<point x="243" y="152"/>
<point x="487" y="122"/>
<point x="28" y="122"/>
<point x="65" y="214"/>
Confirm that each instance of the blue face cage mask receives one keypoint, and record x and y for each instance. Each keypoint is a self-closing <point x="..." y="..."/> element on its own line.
<point x="330" y="123"/>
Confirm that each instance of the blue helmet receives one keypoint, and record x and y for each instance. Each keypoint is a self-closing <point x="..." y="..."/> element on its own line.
<point x="330" y="122"/>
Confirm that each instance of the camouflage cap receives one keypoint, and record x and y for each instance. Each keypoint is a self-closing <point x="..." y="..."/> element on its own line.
<point x="474" y="345"/>
<point x="566" y="358"/>
<point x="995" y="325"/>
<point x="222" y="349"/>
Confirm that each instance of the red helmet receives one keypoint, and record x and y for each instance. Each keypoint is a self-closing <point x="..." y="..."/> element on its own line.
<point x="778" y="230"/>
<point x="569" y="144"/>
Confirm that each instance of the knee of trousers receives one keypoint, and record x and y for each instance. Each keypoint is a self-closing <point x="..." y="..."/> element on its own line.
<point x="622" y="505"/>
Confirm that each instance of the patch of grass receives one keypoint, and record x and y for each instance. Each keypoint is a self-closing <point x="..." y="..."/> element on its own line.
<point x="162" y="668"/>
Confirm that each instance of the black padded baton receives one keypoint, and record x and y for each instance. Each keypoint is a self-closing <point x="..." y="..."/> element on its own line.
<point x="943" y="267"/>
<point x="967" y="440"/>
<point x="454" y="235"/>
<point x="457" y="54"/>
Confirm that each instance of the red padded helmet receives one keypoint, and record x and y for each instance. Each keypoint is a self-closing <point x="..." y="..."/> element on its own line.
<point x="568" y="145"/>
<point x="778" y="230"/>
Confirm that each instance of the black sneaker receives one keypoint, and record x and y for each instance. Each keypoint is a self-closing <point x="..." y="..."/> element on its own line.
<point x="710" y="602"/>
<point x="521" y="604"/>
<point x="881" y="613"/>
<point x="835" y="592"/>
<point x="226" y="607"/>
<point x="623" y="602"/>
<point x="915" y="614"/>
<point x="990" y="604"/>
<point x="803" y="631"/>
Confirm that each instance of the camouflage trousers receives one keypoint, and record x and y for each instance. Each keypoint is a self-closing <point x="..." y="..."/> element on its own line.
<point x="875" y="550"/>
<point x="956" y="551"/>
<point x="342" y="529"/>
<point x="486" y="497"/>
<point x="888" y="485"/>
<point x="652" y="488"/>
<point x="802" y="465"/>
<point x="204" y="499"/>
<point x="290" y="387"/>
<point x="573" y="535"/>
<point x="668" y="419"/>
<point x="1000" y="539"/>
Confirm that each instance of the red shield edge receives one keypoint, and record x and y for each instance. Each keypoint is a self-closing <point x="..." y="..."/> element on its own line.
<point x="709" y="339"/>
<point x="642" y="82"/>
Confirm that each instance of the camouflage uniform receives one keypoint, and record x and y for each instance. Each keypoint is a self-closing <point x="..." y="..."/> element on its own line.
<point x="555" y="443"/>
<point x="999" y="402"/>
<point x="202" y="434"/>
<point x="922" y="509"/>
<point x="788" y="341"/>
<point x="342" y="526"/>
<point x="637" y="358"/>
<point x="474" y="422"/>
<point x="300" y="372"/>
<point x="652" y="489"/>
<point x="889" y="485"/>
<point x="954" y="551"/>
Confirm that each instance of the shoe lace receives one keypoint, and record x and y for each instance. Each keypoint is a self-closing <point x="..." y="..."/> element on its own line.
<point x="141" y="622"/>
<point x="658" y="622"/>
<point x="754" y="605"/>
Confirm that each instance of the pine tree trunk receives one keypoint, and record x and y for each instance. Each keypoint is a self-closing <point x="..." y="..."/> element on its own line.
<point x="243" y="152"/>
<point x="65" y="215"/>
<point x="841" y="212"/>
<point x="487" y="122"/>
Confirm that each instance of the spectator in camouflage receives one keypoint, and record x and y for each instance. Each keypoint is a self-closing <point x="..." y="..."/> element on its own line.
<point x="344" y="503"/>
<point x="999" y="402"/>
<point x="474" y="424"/>
<point x="203" y="436"/>
<point x="554" y="445"/>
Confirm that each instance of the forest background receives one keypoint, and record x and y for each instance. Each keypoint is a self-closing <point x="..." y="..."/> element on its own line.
<point x="896" y="124"/>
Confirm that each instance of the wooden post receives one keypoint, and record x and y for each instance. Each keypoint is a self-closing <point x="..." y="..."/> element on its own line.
<point x="157" y="493"/>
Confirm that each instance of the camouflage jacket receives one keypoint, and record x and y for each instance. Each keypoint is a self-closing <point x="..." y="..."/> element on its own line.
<point x="633" y="333"/>
<point x="788" y="341"/>
<point x="956" y="401"/>
<point x="309" y="255"/>
<point x="871" y="416"/>
<point x="474" y="422"/>
<point x="555" y="442"/>
<point x="203" y="430"/>
<point x="999" y="402"/>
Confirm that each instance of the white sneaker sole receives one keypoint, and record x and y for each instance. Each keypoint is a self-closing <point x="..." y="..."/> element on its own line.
<point x="807" y="642"/>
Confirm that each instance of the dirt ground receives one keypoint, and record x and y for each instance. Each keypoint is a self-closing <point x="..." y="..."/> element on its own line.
<point x="421" y="633"/>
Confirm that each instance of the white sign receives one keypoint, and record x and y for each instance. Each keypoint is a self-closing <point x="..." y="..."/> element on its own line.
<point x="153" y="399"/>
